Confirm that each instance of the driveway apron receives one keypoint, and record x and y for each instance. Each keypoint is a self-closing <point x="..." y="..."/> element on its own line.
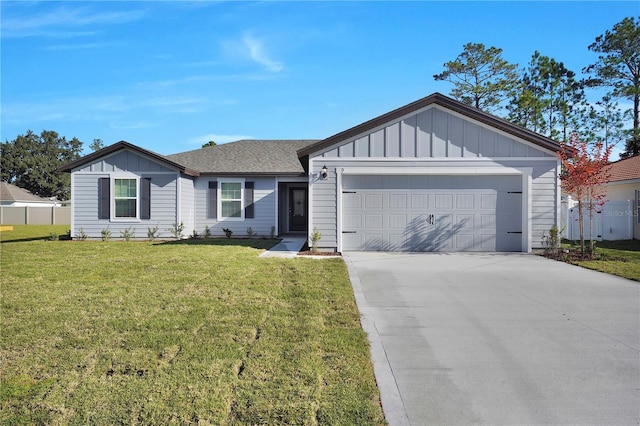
<point x="499" y="339"/>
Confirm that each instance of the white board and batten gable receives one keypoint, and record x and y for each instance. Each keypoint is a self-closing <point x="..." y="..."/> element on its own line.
<point x="435" y="175"/>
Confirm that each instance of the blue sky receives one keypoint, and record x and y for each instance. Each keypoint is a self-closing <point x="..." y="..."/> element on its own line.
<point x="170" y="76"/>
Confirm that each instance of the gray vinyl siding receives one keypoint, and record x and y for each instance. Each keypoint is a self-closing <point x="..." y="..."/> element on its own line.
<point x="264" y="199"/>
<point x="163" y="195"/>
<point x="434" y="133"/>
<point x="324" y="192"/>
<point x="187" y="205"/>
<point x="85" y="207"/>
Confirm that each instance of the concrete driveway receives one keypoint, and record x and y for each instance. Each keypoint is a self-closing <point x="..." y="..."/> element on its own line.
<point x="499" y="339"/>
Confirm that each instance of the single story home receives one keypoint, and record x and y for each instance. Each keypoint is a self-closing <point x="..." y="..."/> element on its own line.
<point x="14" y="196"/>
<point x="433" y="175"/>
<point x="619" y="217"/>
<point x="624" y="186"/>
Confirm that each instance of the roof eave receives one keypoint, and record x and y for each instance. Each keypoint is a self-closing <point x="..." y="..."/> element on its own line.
<point x="67" y="168"/>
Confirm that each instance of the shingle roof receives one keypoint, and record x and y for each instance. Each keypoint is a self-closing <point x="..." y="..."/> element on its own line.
<point x="626" y="169"/>
<point x="446" y="102"/>
<point x="9" y="192"/>
<point x="264" y="157"/>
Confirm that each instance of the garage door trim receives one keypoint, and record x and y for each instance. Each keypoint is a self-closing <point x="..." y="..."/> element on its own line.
<point x="451" y="170"/>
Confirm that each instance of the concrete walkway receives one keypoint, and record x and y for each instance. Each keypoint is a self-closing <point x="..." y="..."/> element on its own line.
<point x="500" y="339"/>
<point x="288" y="247"/>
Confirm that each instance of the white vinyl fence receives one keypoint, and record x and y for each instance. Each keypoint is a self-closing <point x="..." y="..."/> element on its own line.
<point x="10" y="215"/>
<point x="614" y="221"/>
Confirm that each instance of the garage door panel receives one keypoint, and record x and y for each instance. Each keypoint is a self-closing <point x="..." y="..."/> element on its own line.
<point x="464" y="242"/>
<point x="397" y="221"/>
<point x="351" y="200"/>
<point x="397" y="201"/>
<point x="488" y="242"/>
<point x="444" y="201"/>
<point x="373" y="201"/>
<point x="465" y="220"/>
<point x="374" y="221"/>
<point x="352" y="221"/>
<point x="433" y="213"/>
<point x="397" y="241"/>
<point x="465" y="201"/>
<point x="419" y="201"/>
<point x="487" y="221"/>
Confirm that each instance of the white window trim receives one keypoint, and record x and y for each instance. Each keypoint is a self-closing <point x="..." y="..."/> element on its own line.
<point x="112" y="195"/>
<point x="241" y="181"/>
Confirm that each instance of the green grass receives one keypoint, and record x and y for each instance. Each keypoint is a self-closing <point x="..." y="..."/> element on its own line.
<point x="177" y="333"/>
<point x="621" y="258"/>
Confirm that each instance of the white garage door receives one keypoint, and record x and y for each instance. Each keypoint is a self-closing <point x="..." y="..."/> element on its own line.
<point x="432" y="213"/>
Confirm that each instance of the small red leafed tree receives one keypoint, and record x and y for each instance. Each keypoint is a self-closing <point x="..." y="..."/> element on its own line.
<point x="584" y="174"/>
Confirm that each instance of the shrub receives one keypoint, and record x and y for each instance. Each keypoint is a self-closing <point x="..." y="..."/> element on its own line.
<point x="251" y="232"/>
<point x="82" y="235"/>
<point x="228" y="232"/>
<point x="315" y="238"/>
<point x="177" y="230"/>
<point x="152" y="233"/>
<point x="207" y="232"/>
<point x="272" y="233"/>
<point x="106" y="234"/>
<point x="551" y="242"/>
<point x="128" y="234"/>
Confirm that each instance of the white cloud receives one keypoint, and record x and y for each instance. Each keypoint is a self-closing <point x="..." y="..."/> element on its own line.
<point x="218" y="139"/>
<point x="114" y="108"/>
<point x="64" y="22"/>
<point x="258" y="53"/>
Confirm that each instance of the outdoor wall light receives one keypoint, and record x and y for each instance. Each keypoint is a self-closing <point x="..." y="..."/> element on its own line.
<point x="323" y="172"/>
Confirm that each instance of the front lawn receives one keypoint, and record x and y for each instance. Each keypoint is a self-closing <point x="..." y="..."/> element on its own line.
<point x="154" y="333"/>
<point x="620" y="258"/>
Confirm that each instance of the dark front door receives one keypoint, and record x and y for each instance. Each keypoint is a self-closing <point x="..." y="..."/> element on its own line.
<point x="297" y="209"/>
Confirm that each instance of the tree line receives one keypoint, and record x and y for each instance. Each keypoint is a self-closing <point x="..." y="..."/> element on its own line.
<point x="548" y="98"/>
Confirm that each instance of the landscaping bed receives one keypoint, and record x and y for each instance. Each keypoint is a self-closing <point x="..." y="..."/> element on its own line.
<point x="621" y="258"/>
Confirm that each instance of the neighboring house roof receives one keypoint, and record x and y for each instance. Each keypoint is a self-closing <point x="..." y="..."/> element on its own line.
<point x="247" y="157"/>
<point x="627" y="169"/>
<point x="126" y="145"/>
<point x="12" y="193"/>
<point x="446" y="102"/>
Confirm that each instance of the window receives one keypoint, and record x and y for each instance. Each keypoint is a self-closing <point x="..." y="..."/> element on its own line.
<point x="231" y="199"/>
<point x="125" y="197"/>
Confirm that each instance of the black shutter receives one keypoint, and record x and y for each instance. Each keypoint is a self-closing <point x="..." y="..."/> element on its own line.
<point x="213" y="199"/>
<point x="248" y="200"/>
<point x="104" y="199"/>
<point x="145" y="198"/>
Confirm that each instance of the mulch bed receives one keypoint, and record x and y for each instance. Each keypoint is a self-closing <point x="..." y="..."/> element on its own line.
<point x="305" y="251"/>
